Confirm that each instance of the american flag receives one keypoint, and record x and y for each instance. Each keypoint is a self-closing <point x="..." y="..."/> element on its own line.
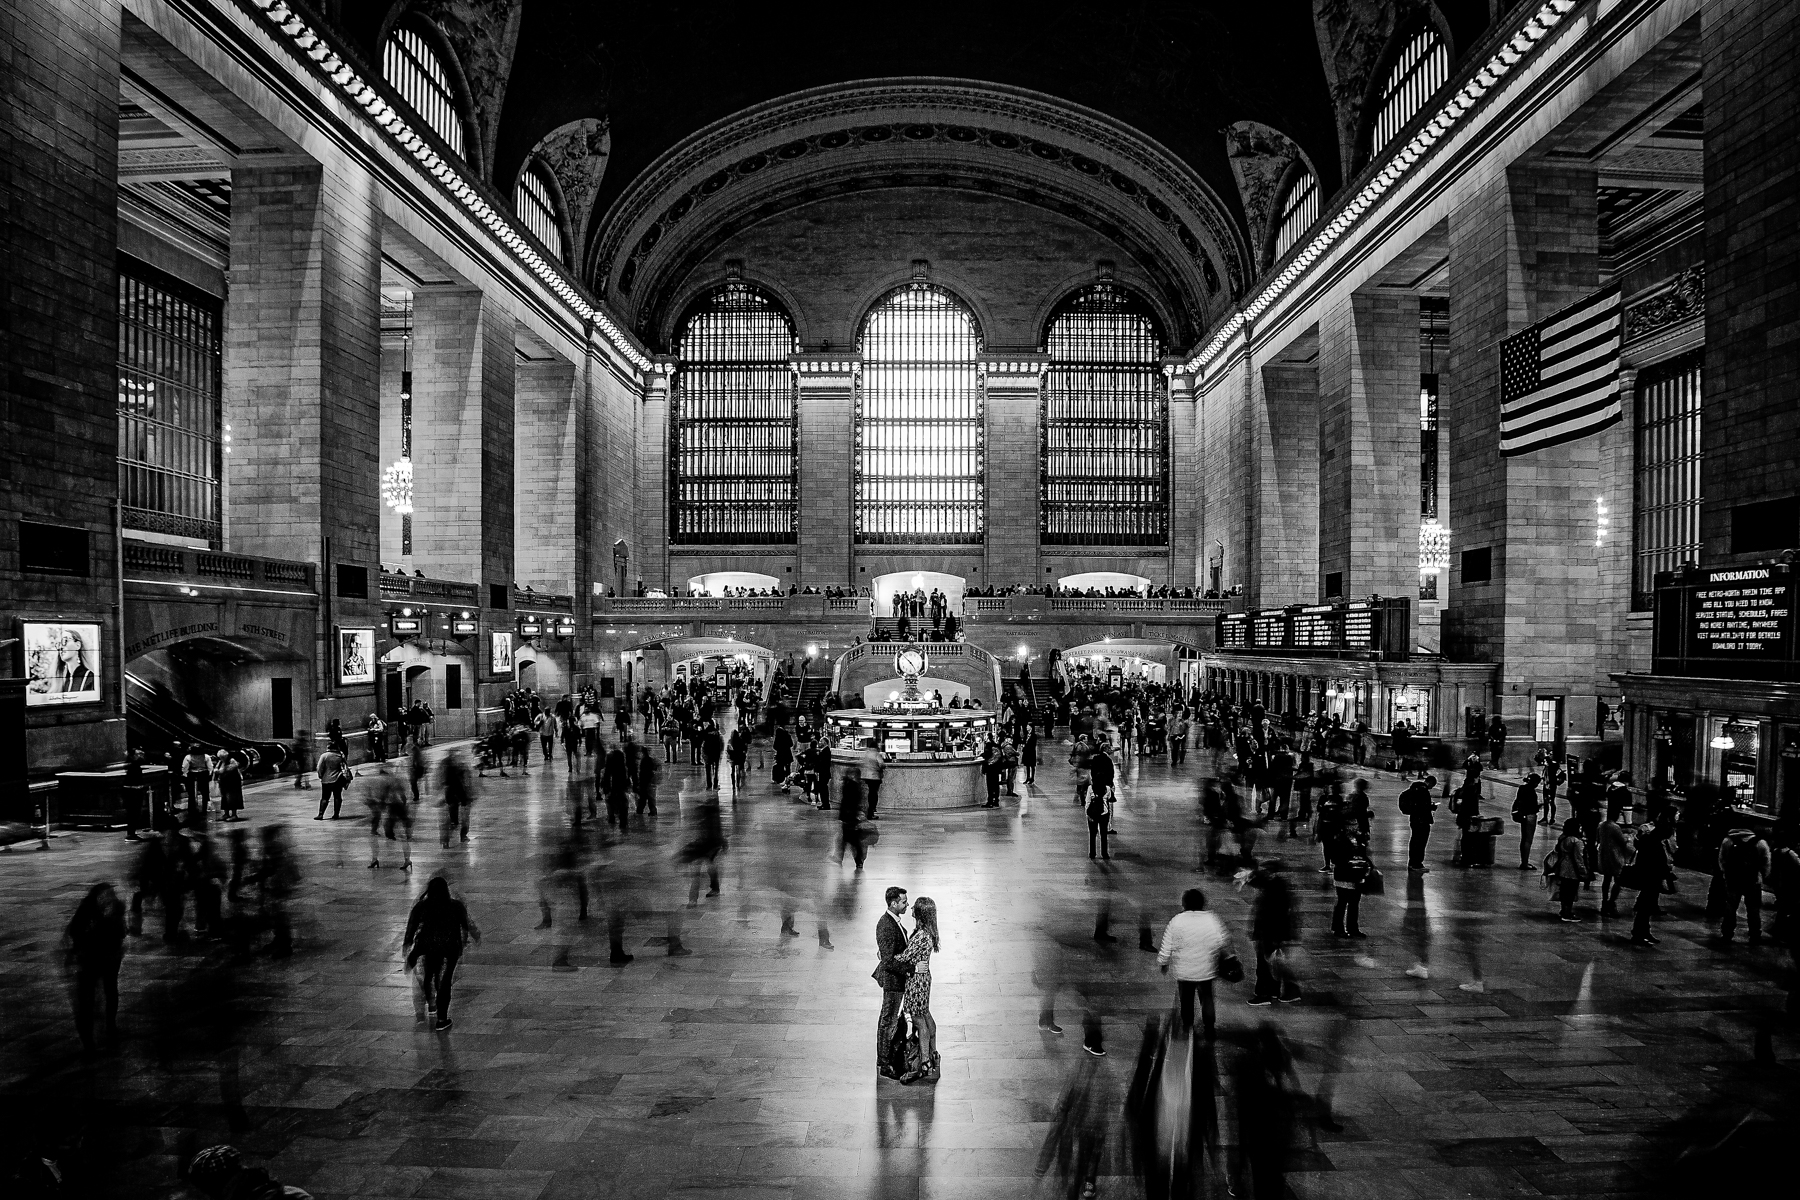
<point x="1559" y="380"/>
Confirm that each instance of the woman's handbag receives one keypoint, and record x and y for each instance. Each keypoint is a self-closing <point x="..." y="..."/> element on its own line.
<point x="1372" y="883"/>
<point x="1230" y="969"/>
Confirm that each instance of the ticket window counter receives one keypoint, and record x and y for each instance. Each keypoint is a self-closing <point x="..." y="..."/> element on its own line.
<point x="1412" y="705"/>
<point x="1738" y="745"/>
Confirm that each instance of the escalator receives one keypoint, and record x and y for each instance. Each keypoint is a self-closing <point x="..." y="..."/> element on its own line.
<point x="160" y="724"/>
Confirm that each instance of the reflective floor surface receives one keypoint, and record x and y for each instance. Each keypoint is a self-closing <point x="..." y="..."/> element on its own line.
<point x="745" y="1069"/>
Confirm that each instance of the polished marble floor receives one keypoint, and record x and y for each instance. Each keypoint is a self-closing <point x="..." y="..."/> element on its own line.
<point x="744" y="1069"/>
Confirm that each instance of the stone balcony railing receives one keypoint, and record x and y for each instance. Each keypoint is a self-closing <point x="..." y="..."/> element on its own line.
<point x="542" y="601"/>
<point x="152" y="560"/>
<point x="444" y="591"/>
<point x="976" y="609"/>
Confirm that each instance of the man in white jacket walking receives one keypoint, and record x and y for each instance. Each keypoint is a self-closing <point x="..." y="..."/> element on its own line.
<point x="1193" y="945"/>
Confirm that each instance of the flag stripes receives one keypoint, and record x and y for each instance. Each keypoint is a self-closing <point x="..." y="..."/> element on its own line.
<point x="1559" y="380"/>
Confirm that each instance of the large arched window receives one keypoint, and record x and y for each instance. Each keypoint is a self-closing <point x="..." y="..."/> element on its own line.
<point x="731" y="428"/>
<point x="1421" y="69"/>
<point x="536" y="205"/>
<point x="413" y="69"/>
<point x="1105" y="471"/>
<point x="919" y="428"/>
<point x="1299" y="209"/>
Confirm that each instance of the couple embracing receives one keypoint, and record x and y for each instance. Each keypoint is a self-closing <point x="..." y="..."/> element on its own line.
<point x="904" y="974"/>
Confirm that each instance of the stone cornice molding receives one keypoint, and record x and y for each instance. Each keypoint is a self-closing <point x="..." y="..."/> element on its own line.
<point x="967" y="131"/>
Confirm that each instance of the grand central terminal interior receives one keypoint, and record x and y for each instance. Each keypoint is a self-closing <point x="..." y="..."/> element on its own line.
<point x="701" y="503"/>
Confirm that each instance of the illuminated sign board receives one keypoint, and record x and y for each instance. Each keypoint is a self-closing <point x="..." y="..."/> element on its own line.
<point x="461" y="628"/>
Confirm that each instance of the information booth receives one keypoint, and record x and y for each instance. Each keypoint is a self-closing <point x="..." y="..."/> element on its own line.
<point x="931" y="754"/>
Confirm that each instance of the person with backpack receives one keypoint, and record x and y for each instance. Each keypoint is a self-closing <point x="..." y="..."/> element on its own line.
<point x="1744" y="862"/>
<point x="1467" y="807"/>
<point x="1651" y="872"/>
<point x="1567" y="865"/>
<point x="1615" y="857"/>
<point x="1525" y="812"/>
<point x="1102" y="775"/>
<point x="1417" y="804"/>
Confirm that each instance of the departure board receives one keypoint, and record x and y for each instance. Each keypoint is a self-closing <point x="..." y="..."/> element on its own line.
<point x="1315" y="628"/>
<point x="1379" y="625"/>
<point x="1359" y="627"/>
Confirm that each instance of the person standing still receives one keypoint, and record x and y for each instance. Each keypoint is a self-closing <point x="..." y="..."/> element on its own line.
<point x="873" y="767"/>
<point x="1193" y="944"/>
<point x="1744" y="861"/>
<point x="1417" y="804"/>
<point x="1525" y="812"/>
<point x="333" y="778"/>
<point x="891" y="973"/>
<point x="1496" y="739"/>
<point x="1615" y="856"/>
<point x="1571" y="871"/>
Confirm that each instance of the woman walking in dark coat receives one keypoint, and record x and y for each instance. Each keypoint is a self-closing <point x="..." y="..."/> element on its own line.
<point x="615" y="787"/>
<point x="438" y="930"/>
<point x="1651" y="871"/>
<point x="96" y="947"/>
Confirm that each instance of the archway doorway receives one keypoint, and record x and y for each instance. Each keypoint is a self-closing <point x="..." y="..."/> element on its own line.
<point x="886" y="587"/>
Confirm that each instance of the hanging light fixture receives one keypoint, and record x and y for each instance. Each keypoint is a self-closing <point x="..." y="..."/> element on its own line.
<point x="1723" y="740"/>
<point x="1434" y="547"/>
<point x="397" y="486"/>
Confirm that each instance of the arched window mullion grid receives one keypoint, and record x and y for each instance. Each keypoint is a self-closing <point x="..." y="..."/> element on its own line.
<point x="1423" y="68"/>
<point x="1104" y="461"/>
<point x="413" y="69"/>
<point x="733" y="477"/>
<point x="536" y="207"/>
<point x="920" y="442"/>
<point x="1299" y="209"/>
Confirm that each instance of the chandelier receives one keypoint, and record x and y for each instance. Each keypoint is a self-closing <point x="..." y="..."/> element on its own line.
<point x="397" y="486"/>
<point x="1434" y="547"/>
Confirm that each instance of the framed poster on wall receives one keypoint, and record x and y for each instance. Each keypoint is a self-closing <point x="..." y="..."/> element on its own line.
<point x="500" y="654"/>
<point x="356" y="656"/>
<point x="62" y="663"/>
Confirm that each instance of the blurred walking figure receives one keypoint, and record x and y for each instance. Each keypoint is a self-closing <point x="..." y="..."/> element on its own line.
<point x="437" y="931"/>
<point x="566" y="867"/>
<point x="702" y="853"/>
<point x="1076" y="1143"/>
<point x="1273" y="928"/>
<point x="851" y="835"/>
<point x="648" y="772"/>
<point x="161" y="871"/>
<point x="1266" y="1090"/>
<point x="279" y="879"/>
<point x="96" y="947"/>
<point x="1651" y="872"/>
<point x="303" y="757"/>
<point x="614" y="785"/>
<point x="459" y="796"/>
<point x="390" y="814"/>
<point x="1194" y="945"/>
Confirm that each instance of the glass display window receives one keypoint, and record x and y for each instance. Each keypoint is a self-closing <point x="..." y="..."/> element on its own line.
<point x="1739" y="760"/>
<point x="1412" y="705"/>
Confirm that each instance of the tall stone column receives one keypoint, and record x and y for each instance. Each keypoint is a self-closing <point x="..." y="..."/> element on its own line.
<point x="1522" y="247"/>
<point x="1015" y="392"/>
<point x="1185" y="491"/>
<point x="59" y="139"/>
<point x="1286" y="443"/>
<point x="1226" y="472"/>
<point x="652" y="541"/>
<point x="1369" y="445"/>
<point x="827" y="470"/>
<point x="463" y="376"/>
<point x="545" y="463"/>
<point x="1747" y="425"/>
<point x="302" y="364"/>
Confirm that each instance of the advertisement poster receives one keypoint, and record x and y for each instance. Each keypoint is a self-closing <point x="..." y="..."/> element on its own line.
<point x="501" y="660"/>
<point x="356" y="656"/>
<point x="62" y="663"/>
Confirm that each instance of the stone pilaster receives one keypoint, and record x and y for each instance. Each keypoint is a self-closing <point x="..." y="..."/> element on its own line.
<point x="827" y="453"/>
<point x="546" y="464"/>
<point x="1286" y="445"/>
<point x="1524" y="246"/>
<point x="1014" y="412"/>
<point x="1748" y="426"/>
<point x="463" y="375"/>
<point x="1368" y="438"/>
<point x="1223" y="423"/>
<point x="652" y="543"/>
<point x="1185" y="491"/>
<point x="59" y="140"/>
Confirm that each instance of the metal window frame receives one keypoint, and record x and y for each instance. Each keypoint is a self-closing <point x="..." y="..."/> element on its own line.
<point x="894" y="506"/>
<point x="1667" y="460"/>
<point x="1422" y="68"/>
<point x="171" y="337"/>
<point x="732" y="513"/>
<point x="1110" y="517"/>
<point x="537" y="209"/>
<point x="1299" y="209"/>
<point x="412" y="67"/>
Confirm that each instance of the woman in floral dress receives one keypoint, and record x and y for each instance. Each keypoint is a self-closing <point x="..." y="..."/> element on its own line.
<point x="917" y="1001"/>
